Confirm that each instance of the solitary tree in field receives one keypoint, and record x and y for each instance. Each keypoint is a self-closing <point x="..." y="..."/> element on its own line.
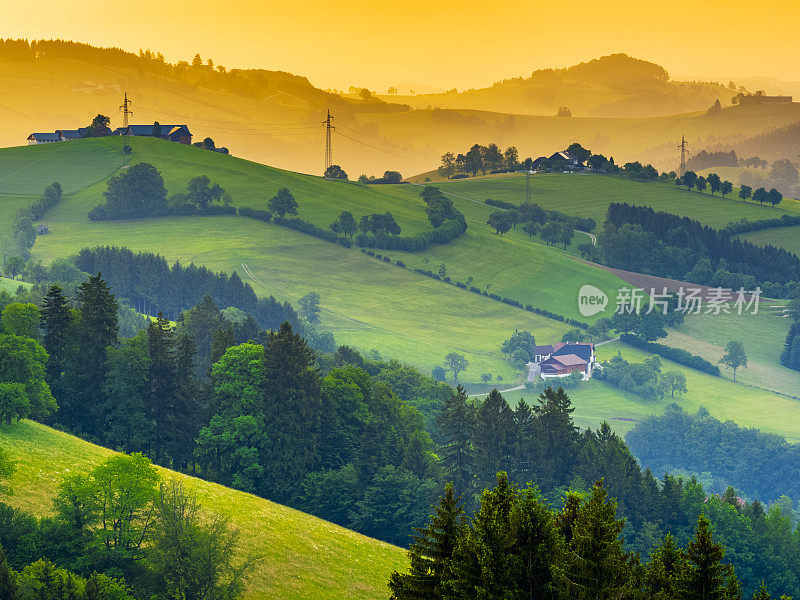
<point x="309" y="307"/>
<point x="714" y="183"/>
<point x="745" y="192"/>
<point x="500" y="221"/>
<point x="734" y="356"/>
<point x="774" y="197"/>
<point x="727" y="188"/>
<point x="335" y="172"/>
<point x="283" y="203"/>
<point x="486" y="377"/>
<point x="456" y="363"/>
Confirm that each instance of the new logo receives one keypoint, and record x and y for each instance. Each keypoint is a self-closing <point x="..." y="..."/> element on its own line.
<point x="591" y="300"/>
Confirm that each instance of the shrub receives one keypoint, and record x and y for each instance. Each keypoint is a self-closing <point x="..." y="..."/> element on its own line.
<point x="678" y="355"/>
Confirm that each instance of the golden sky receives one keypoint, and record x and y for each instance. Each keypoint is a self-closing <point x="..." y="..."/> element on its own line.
<point x="446" y="43"/>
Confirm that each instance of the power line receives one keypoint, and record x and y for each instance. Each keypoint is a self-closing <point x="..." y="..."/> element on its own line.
<point x="384" y="141"/>
<point x="161" y="112"/>
<point x="329" y="128"/>
<point x="126" y="112"/>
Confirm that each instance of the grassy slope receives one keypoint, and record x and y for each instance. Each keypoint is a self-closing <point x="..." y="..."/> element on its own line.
<point x="367" y="303"/>
<point x="302" y="556"/>
<point x="589" y="196"/>
<point x="421" y="322"/>
<point x="784" y="237"/>
<point x="749" y="407"/>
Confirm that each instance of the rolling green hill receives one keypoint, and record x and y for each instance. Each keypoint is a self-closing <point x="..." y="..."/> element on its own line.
<point x="369" y="303"/>
<point x="302" y="557"/>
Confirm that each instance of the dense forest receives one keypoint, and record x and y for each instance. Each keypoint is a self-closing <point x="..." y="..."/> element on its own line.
<point x="637" y="238"/>
<point x="761" y="465"/>
<point x="361" y="441"/>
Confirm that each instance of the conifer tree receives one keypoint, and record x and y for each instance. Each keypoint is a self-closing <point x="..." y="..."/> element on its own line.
<point x="160" y="402"/>
<point x="222" y="338"/>
<point x="431" y="552"/>
<point x="595" y="566"/>
<point x="559" y="437"/>
<point x="665" y="573"/>
<point x="494" y="437"/>
<point x="8" y="583"/>
<point x="705" y="575"/>
<point x="55" y="320"/>
<point x="292" y="406"/>
<point x="483" y="562"/>
<point x="537" y="546"/>
<point x="456" y="423"/>
<point x="188" y="415"/>
<point x="95" y="330"/>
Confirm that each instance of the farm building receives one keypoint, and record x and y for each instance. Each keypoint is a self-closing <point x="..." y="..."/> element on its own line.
<point x="43" y="138"/>
<point x="66" y="135"/>
<point x="561" y="359"/>
<point x="572" y="162"/>
<point x="42" y="230"/>
<point x="173" y="133"/>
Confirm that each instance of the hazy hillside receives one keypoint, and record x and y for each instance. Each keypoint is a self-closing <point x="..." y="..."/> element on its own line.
<point x="611" y="86"/>
<point x="302" y="557"/>
<point x="276" y="118"/>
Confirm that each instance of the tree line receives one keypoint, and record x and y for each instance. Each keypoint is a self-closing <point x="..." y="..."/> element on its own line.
<point x="23" y="232"/>
<point x="760" y="464"/>
<point x="638" y="238"/>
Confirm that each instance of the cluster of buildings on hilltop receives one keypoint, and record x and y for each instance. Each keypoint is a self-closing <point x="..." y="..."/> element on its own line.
<point x="562" y="359"/>
<point x="559" y="159"/>
<point x="173" y="133"/>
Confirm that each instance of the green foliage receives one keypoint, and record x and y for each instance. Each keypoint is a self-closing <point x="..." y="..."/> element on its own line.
<point x="456" y="363"/>
<point x="23" y="389"/>
<point x="735" y="356"/>
<point x="21" y="319"/>
<point x="283" y="203"/>
<point x="138" y="192"/>
<point x="519" y="348"/>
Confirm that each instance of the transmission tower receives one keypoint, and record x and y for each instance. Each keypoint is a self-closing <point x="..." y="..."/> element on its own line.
<point x="683" y="155"/>
<point x="329" y="128"/>
<point x="126" y="112"/>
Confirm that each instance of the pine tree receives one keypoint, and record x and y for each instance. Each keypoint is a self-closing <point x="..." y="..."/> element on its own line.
<point x="762" y="593"/>
<point x="705" y="576"/>
<point x="292" y="402"/>
<point x="188" y="416"/>
<point x="431" y="553"/>
<point x="526" y="453"/>
<point x="456" y="423"/>
<point x="595" y="566"/>
<point x="665" y="573"/>
<point x="94" y="331"/>
<point x="558" y="436"/>
<point x="222" y="338"/>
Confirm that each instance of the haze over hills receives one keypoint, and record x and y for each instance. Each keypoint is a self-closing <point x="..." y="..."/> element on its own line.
<point x="612" y="86"/>
<point x="276" y="117"/>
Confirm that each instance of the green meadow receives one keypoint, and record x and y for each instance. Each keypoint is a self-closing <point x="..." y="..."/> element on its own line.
<point x="301" y="557"/>
<point x="783" y="237"/>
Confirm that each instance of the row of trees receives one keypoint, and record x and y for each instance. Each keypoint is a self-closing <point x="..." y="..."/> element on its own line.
<point x="23" y="232"/>
<point x="480" y="158"/>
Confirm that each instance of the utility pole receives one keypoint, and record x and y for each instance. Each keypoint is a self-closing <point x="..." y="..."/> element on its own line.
<point x="126" y="112"/>
<point x="683" y="156"/>
<point x="329" y="128"/>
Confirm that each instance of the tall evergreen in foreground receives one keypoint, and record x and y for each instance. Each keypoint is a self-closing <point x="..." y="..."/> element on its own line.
<point x="94" y="331"/>
<point x="56" y="321"/>
<point x="292" y="410"/>
<point x="456" y="424"/>
<point x="431" y="553"/>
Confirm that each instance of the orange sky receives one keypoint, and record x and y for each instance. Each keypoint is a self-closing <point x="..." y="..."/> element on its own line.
<point x="445" y="43"/>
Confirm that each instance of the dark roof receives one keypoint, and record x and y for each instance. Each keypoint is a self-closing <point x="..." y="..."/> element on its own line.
<point x="147" y="130"/>
<point x="40" y="228"/>
<point x="45" y="137"/>
<point x="570" y="360"/>
<point x="69" y="133"/>
<point x="119" y="131"/>
<point x="548" y="349"/>
<point x="564" y="156"/>
<point x="582" y="350"/>
<point x="83" y="131"/>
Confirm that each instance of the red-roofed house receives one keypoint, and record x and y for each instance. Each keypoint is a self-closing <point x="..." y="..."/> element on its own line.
<point x="565" y="359"/>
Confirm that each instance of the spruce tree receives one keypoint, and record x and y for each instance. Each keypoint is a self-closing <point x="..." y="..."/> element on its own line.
<point x="8" y="581"/>
<point x="559" y="437"/>
<point x="95" y="330"/>
<point x="483" y="562"/>
<point x="537" y="546"/>
<point x="705" y="575"/>
<point x="431" y="552"/>
<point x="595" y="566"/>
<point x="160" y="402"/>
<point x="55" y="320"/>
<point x="665" y="573"/>
<point x="222" y="338"/>
<point x="292" y="407"/>
<point x="494" y="437"/>
<point x="762" y="593"/>
<point x="456" y="423"/>
<point x="189" y="414"/>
